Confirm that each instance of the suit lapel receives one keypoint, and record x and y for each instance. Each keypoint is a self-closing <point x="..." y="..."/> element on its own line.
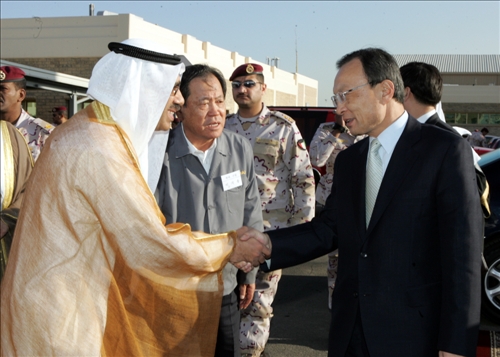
<point x="359" y="181"/>
<point x="402" y="160"/>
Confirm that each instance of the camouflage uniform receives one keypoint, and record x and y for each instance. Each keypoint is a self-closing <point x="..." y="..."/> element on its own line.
<point x="324" y="149"/>
<point x="286" y="187"/>
<point x="35" y="132"/>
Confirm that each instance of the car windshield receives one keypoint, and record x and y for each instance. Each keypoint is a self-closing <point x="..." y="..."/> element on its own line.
<point x="489" y="157"/>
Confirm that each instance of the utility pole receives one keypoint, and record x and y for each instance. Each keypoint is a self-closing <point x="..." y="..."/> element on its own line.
<point x="296" y="53"/>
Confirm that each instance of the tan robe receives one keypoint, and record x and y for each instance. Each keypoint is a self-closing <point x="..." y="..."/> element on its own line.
<point x="17" y="164"/>
<point x="93" y="270"/>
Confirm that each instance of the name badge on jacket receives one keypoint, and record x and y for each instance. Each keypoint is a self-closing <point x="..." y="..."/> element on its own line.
<point x="231" y="180"/>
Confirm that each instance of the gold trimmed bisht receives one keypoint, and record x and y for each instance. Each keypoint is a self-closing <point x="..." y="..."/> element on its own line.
<point x="93" y="271"/>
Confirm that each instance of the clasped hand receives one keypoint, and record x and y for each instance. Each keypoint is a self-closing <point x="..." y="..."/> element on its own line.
<point x="252" y="248"/>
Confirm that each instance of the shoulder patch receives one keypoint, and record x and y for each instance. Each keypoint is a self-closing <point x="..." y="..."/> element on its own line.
<point x="327" y="126"/>
<point x="283" y="117"/>
<point x="272" y="142"/>
<point x="43" y="124"/>
<point x="302" y="144"/>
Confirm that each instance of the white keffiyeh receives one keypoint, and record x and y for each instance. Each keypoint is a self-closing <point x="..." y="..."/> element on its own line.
<point x="136" y="91"/>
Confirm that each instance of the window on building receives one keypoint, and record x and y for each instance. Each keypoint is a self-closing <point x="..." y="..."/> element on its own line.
<point x="460" y="118"/>
<point x="489" y="118"/>
<point x="450" y="117"/>
<point x="29" y="105"/>
<point x="472" y="118"/>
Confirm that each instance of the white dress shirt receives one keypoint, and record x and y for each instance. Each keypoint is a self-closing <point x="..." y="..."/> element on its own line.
<point x="426" y="116"/>
<point x="205" y="157"/>
<point x="389" y="138"/>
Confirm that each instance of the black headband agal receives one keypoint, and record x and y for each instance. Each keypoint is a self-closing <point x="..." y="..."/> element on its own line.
<point x="143" y="54"/>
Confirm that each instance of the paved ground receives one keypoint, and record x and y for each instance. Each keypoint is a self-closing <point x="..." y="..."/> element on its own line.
<point x="301" y="317"/>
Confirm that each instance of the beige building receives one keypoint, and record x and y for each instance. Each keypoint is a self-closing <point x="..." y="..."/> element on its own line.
<point x="471" y="88"/>
<point x="70" y="46"/>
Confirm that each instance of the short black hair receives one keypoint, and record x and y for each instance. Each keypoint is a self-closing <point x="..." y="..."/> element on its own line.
<point x="200" y="71"/>
<point x="20" y="84"/>
<point x="378" y="66"/>
<point x="424" y="80"/>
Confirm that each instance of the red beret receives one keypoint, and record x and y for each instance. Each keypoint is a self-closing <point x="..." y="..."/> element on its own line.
<point x="247" y="69"/>
<point x="59" y="109"/>
<point x="11" y="74"/>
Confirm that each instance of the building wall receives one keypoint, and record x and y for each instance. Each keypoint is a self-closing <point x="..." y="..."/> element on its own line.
<point x="46" y="100"/>
<point x="73" y="45"/>
<point x="471" y="91"/>
<point x="310" y="96"/>
<point x="472" y="79"/>
<point x="81" y="66"/>
<point x="470" y="105"/>
<point x="479" y="94"/>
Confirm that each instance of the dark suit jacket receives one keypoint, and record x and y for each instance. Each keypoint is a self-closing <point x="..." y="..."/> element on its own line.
<point x="414" y="273"/>
<point x="482" y="184"/>
<point x="434" y="120"/>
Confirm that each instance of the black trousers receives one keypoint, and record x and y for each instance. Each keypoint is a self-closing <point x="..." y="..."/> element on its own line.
<point x="228" y="334"/>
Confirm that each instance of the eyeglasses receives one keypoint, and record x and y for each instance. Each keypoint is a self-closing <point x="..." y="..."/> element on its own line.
<point x="339" y="98"/>
<point x="248" y="84"/>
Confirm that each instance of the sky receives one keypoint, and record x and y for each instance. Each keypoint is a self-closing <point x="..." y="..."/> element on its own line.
<point x="308" y="35"/>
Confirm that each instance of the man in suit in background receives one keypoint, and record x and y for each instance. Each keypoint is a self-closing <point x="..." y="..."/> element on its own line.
<point x="409" y="267"/>
<point x="423" y="89"/>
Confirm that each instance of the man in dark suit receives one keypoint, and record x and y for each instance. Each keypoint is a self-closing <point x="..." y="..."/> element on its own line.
<point x="423" y="89"/>
<point x="422" y="92"/>
<point x="409" y="275"/>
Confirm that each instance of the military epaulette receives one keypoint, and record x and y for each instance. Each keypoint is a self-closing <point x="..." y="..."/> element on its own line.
<point x="327" y="126"/>
<point x="44" y="125"/>
<point x="283" y="116"/>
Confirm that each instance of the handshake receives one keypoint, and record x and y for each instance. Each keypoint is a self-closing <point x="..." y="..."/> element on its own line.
<point x="251" y="249"/>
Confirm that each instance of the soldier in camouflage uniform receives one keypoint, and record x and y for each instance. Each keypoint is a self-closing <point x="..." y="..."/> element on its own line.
<point x="324" y="148"/>
<point x="12" y="93"/>
<point x="286" y="186"/>
<point x="329" y="139"/>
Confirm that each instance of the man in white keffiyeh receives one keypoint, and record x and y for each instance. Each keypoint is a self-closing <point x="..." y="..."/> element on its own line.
<point x="93" y="271"/>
